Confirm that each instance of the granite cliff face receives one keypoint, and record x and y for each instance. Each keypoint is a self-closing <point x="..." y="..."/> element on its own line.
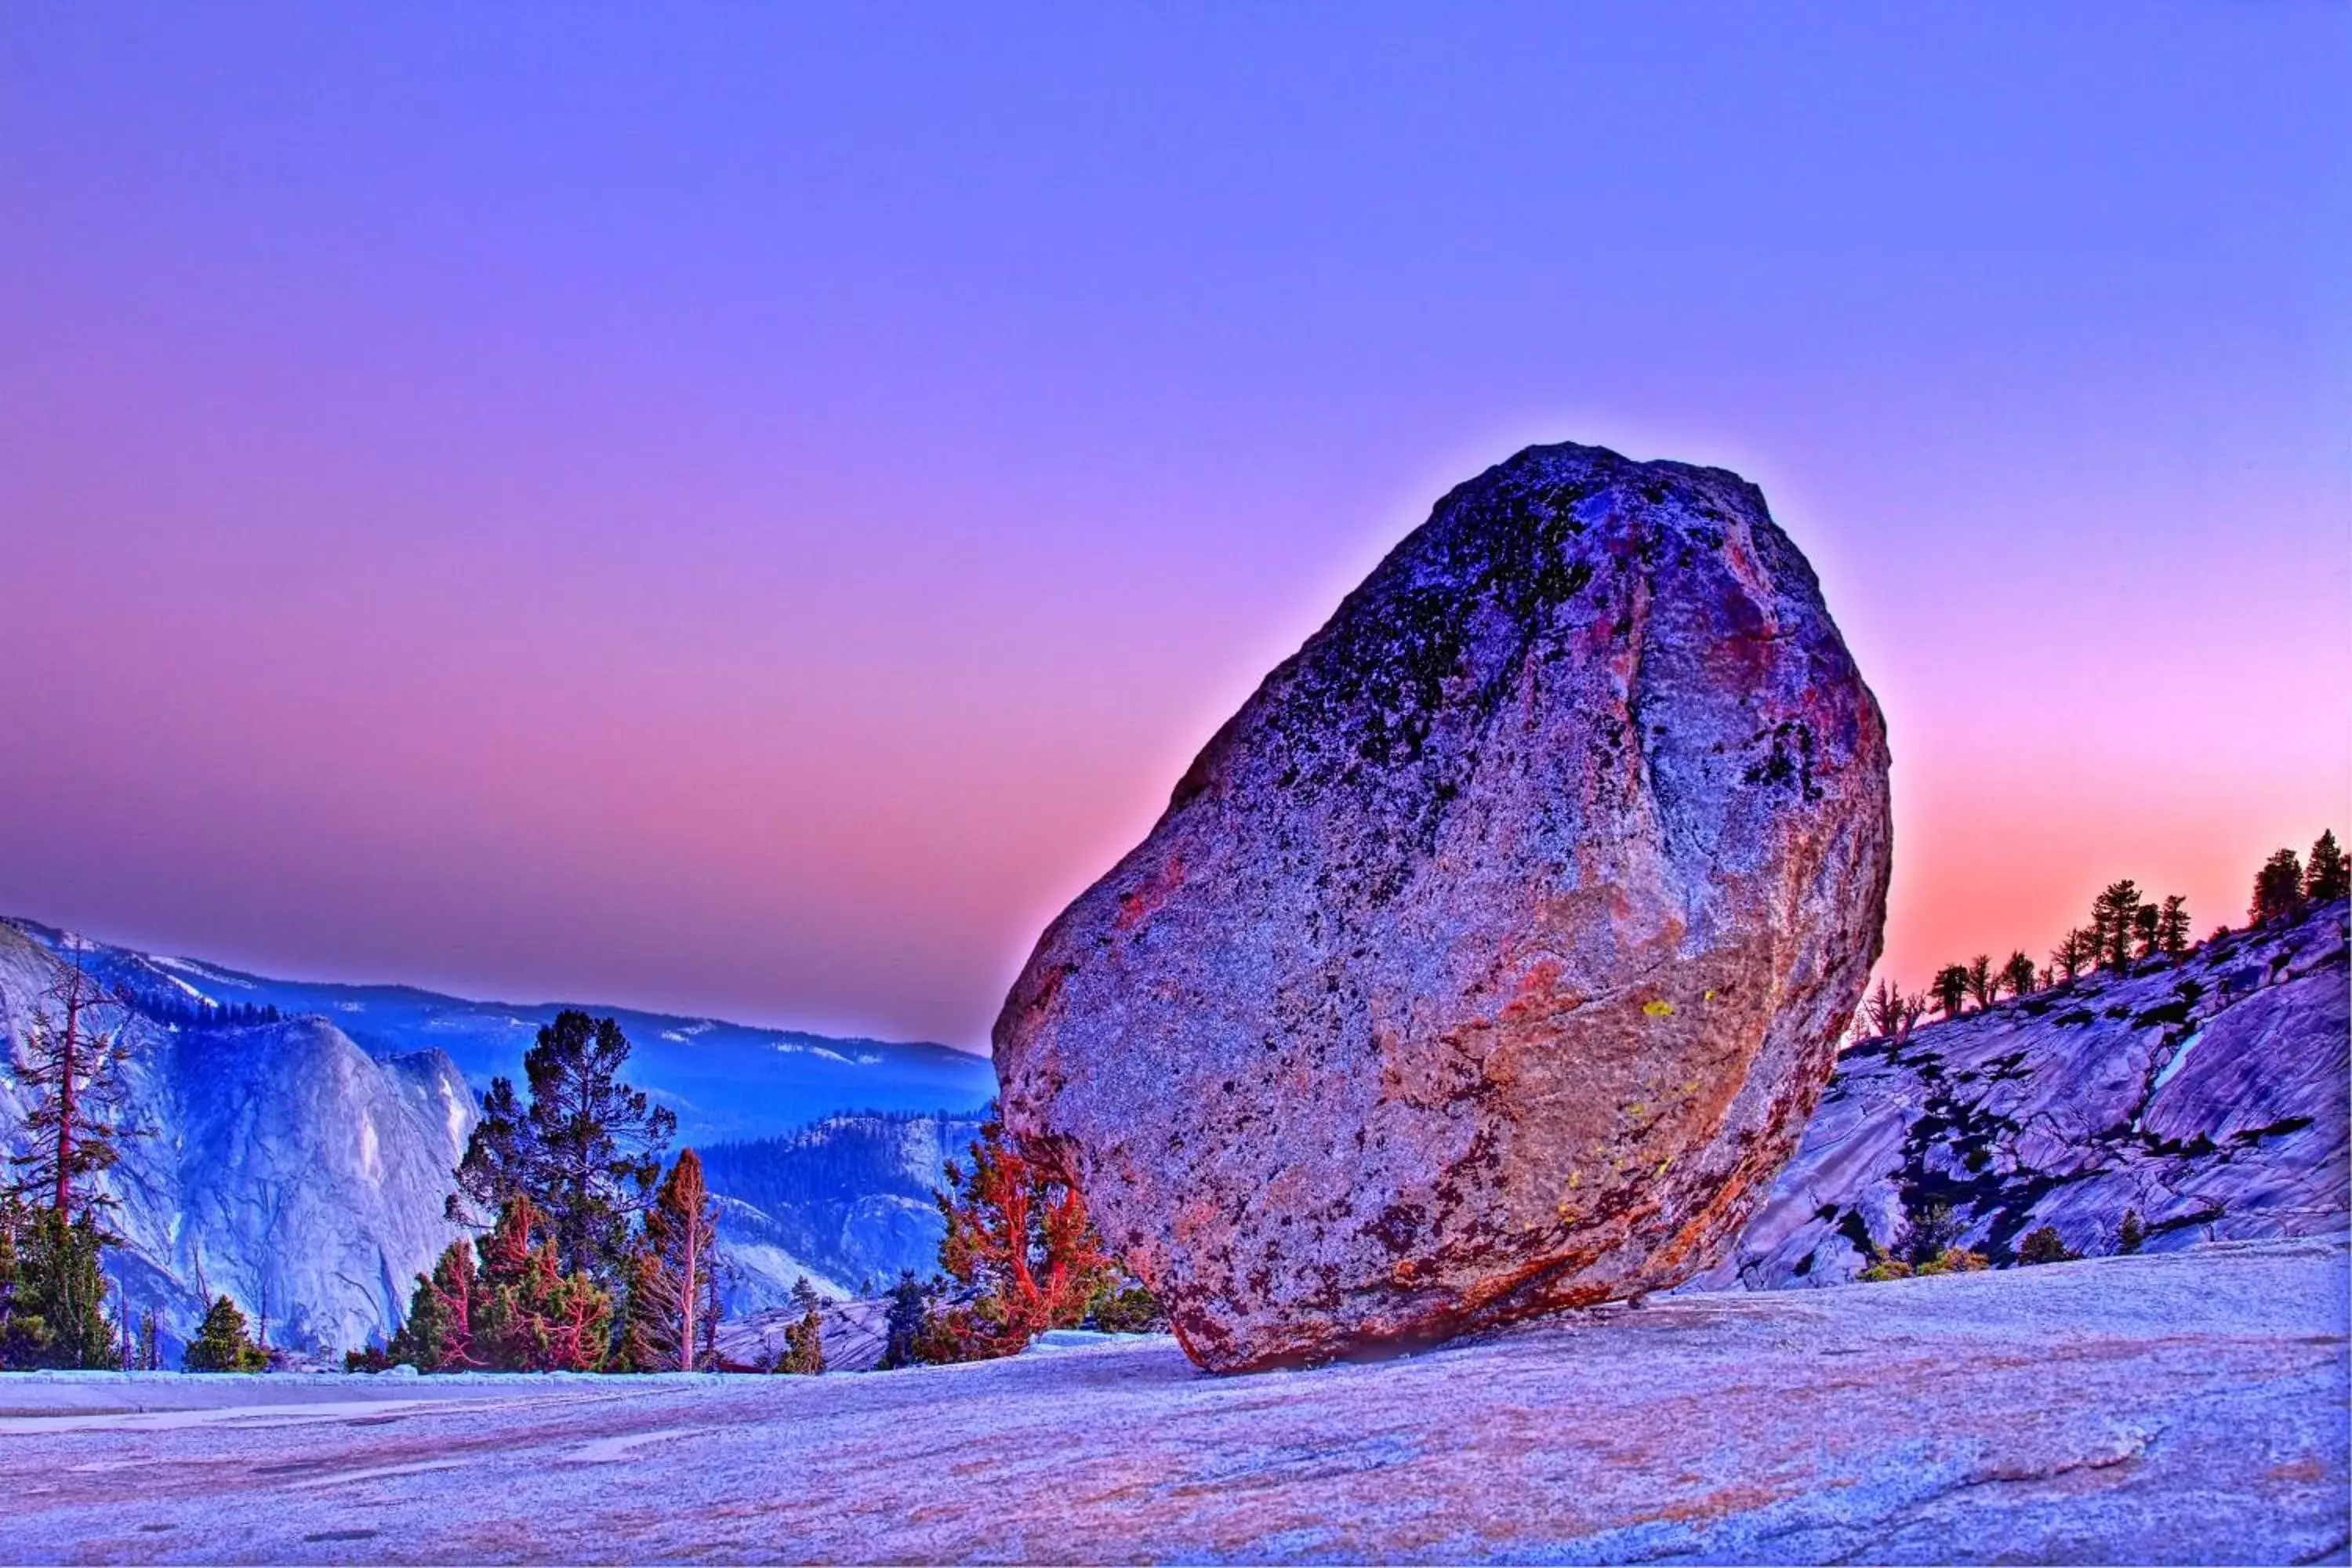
<point x="2208" y="1096"/>
<point x="281" y="1165"/>
<point x="1490" y="959"/>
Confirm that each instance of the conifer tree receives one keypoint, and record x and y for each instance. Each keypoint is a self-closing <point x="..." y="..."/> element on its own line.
<point x="2172" y="927"/>
<point x="221" y="1343"/>
<point x="2018" y="974"/>
<point x="2327" y="875"/>
<point x="528" y="1313"/>
<point x="2077" y="949"/>
<point x="1020" y="1244"/>
<point x="2278" y="890"/>
<point x="714" y="1307"/>
<point x="65" y="1284"/>
<point x="2145" y="923"/>
<point x="1950" y="988"/>
<point x="1984" y="984"/>
<point x="2113" y="916"/>
<point x="505" y="1304"/>
<point x="2044" y="1245"/>
<point x="585" y="1152"/>
<point x="438" y="1335"/>
<point x="1883" y="1010"/>
<point x="804" y="1339"/>
<point x="1915" y="1010"/>
<point x="671" y="1274"/>
<point x="910" y="1304"/>
<point x="2132" y="1233"/>
<point x="69" y="1064"/>
<point x="23" y="1335"/>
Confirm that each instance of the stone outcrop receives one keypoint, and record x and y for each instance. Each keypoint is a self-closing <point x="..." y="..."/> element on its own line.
<point x="2205" y="1096"/>
<point x="1490" y="959"/>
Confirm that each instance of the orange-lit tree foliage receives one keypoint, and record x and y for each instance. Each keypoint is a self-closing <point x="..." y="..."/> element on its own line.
<point x="504" y="1304"/>
<point x="1021" y="1248"/>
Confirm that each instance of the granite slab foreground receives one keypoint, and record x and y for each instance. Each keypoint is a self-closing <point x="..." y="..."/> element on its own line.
<point x="2183" y="1407"/>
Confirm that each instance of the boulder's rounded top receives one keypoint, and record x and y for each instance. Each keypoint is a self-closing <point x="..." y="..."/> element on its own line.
<point x="1482" y="960"/>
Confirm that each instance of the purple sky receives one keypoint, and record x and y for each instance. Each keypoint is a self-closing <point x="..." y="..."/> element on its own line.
<point x="750" y="511"/>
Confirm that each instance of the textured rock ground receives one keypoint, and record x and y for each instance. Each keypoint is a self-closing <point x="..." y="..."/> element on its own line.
<point x="2187" y="1407"/>
<point x="1490" y="960"/>
<point x="2208" y="1096"/>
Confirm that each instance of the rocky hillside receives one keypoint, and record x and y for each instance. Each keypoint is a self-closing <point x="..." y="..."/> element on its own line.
<point x="280" y="1164"/>
<point x="2207" y="1096"/>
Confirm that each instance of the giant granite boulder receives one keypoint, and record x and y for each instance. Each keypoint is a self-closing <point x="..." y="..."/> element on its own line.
<point x="1491" y="958"/>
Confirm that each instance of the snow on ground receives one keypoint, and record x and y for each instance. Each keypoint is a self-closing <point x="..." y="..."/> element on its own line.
<point x="2182" y="1407"/>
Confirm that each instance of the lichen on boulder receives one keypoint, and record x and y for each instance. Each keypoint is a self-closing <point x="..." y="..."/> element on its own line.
<point x="1490" y="959"/>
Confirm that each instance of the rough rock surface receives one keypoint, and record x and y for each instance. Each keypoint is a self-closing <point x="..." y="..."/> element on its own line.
<point x="1490" y="959"/>
<point x="2206" y="1096"/>
<point x="282" y="1167"/>
<point x="2181" y="1408"/>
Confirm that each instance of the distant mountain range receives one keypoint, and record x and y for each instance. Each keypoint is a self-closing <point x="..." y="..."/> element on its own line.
<point x="297" y="1138"/>
<point x="725" y="1081"/>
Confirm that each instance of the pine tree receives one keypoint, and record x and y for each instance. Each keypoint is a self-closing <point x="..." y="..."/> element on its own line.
<point x="910" y="1305"/>
<point x="1915" y="1008"/>
<point x="1950" y="988"/>
<point x="528" y="1314"/>
<point x="2132" y="1234"/>
<point x="56" y="1295"/>
<point x="222" y="1344"/>
<point x="1125" y="1306"/>
<point x="2145" y="923"/>
<point x="2114" y="915"/>
<point x="438" y="1335"/>
<point x="671" y="1273"/>
<point x="1883" y="1010"/>
<point x="2077" y="949"/>
<point x="148" y="1355"/>
<point x="69" y="1064"/>
<point x="2018" y="974"/>
<point x="504" y="1304"/>
<point x="2172" y="927"/>
<point x="2044" y="1245"/>
<point x="2278" y="890"/>
<point x="2327" y="875"/>
<point x="1982" y="982"/>
<point x="804" y="1339"/>
<point x="1020" y="1244"/>
<point x="23" y="1335"/>
<point x="585" y="1152"/>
